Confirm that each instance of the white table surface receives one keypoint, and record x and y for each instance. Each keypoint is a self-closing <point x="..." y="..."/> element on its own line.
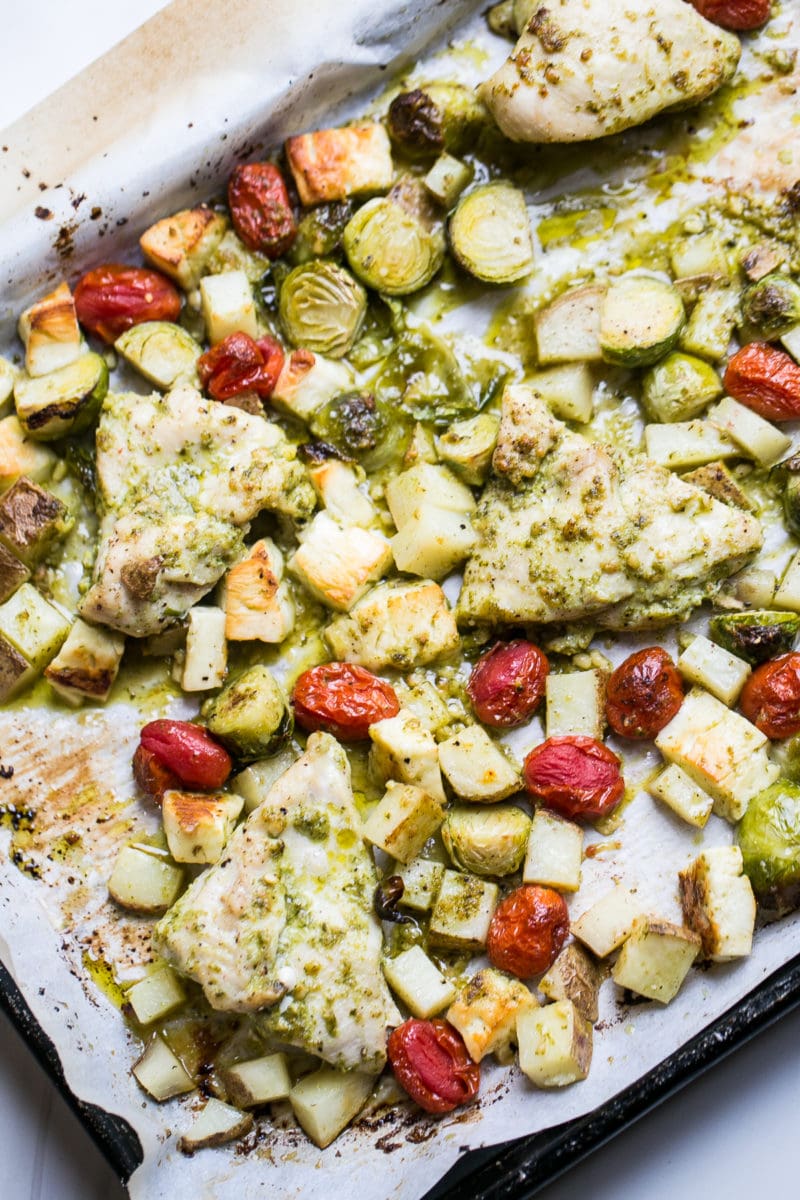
<point x="733" y="1133"/>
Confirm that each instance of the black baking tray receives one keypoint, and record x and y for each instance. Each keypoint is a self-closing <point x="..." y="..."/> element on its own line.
<point x="515" y="1169"/>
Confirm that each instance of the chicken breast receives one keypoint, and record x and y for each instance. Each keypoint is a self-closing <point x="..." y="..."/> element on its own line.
<point x="178" y="476"/>
<point x="586" y="68"/>
<point x="284" y="922"/>
<point x="567" y="531"/>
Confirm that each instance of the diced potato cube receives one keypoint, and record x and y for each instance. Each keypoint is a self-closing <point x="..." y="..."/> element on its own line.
<point x="567" y="391"/>
<point x="254" y="782"/>
<point x="87" y="664"/>
<point x="716" y="479"/>
<point x="206" y="661"/>
<point x="568" y="330"/>
<point x="476" y="768"/>
<point x="161" y="1073"/>
<point x="215" y="1125"/>
<point x="684" y="444"/>
<point x="395" y="625"/>
<point x="605" y="925"/>
<point x="50" y="332"/>
<point x="791" y="341"/>
<point x="755" y="587"/>
<point x="486" y="1011"/>
<point x="576" y="704"/>
<point x="462" y="912"/>
<point x="258" y="606"/>
<point x="307" y="382"/>
<point x="15" y="671"/>
<point x="555" y="1044"/>
<point x="333" y="164"/>
<point x="447" y="179"/>
<point x="719" y="672"/>
<point x="258" y="1081"/>
<point x="155" y="996"/>
<point x="337" y="565"/>
<point x="577" y="977"/>
<point x="759" y="439"/>
<point x="718" y="903"/>
<point x="403" y="820"/>
<point x="427" y="485"/>
<point x="31" y="519"/>
<point x="326" y="1101"/>
<point x="228" y="305"/>
<point x="679" y="791"/>
<point x="421" y="447"/>
<point x="21" y="455"/>
<point x="698" y="254"/>
<point x="8" y="377"/>
<point x="403" y="749"/>
<point x="181" y="245"/>
<point x="711" y="323"/>
<point x="422" y="879"/>
<point x="144" y="882"/>
<point x="555" y="852"/>
<point x="421" y="698"/>
<point x="198" y="826"/>
<point x="788" y="593"/>
<point x="336" y="484"/>
<point x="744" y="783"/>
<point x="13" y="574"/>
<point x="418" y="982"/>
<point x="433" y="542"/>
<point x="655" y="959"/>
<point x="31" y="632"/>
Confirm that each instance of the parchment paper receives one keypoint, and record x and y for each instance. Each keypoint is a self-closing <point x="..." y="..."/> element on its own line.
<point x="175" y="104"/>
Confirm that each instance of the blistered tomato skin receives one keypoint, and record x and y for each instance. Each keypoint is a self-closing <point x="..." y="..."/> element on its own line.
<point x="734" y="14"/>
<point x="431" y="1063"/>
<point x="189" y="751"/>
<point x="240" y="364"/>
<point x="260" y="208"/>
<point x="577" y="777"/>
<point x="644" y="694"/>
<point x="113" y="298"/>
<point x="342" y="699"/>
<point x="151" y="775"/>
<point x="528" y="931"/>
<point x="507" y="683"/>
<point x="771" y="697"/>
<point x="765" y="379"/>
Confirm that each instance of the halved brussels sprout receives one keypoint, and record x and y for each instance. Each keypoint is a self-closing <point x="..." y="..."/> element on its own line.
<point x="769" y="838"/>
<point x="62" y="402"/>
<point x="772" y="305"/>
<point x="250" y="715"/>
<point x="640" y="320"/>
<point x="436" y="117"/>
<point x="679" y="387"/>
<point x="160" y="350"/>
<point x="788" y="475"/>
<point x="486" y="841"/>
<point x="321" y="307"/>
<point x="468" y="446"/>
<point x="756" y="636"/>
<point x="392" y="248"/>
<point x="320" y="233"/>
<point x="490" y="234"/>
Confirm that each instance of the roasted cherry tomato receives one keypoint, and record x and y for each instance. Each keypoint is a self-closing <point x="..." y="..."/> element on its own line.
<point x="189" y="751"/>
<point x="431" y="1063"/>
<point x="260" y="209"/>
<point x="239" y="364"/>
<point x="527" y="931"/>
<point x="734" y="14"/>
<point x="151" y="775"/>
<point x="644" y="693"/>
<point x="113" y="298"/>
<point x="771" y="696"/>
<point x="765" y="379"/>
<point x="342" y="699"/>
<point x="575" y="776"/>
<point x="507" y="683"/>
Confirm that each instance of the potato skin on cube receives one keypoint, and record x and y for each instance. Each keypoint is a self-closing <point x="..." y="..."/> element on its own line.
<point x="555" y="1044"/>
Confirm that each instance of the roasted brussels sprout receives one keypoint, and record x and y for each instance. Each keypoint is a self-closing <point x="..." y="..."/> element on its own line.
<point x="424" y="377"/>
<point x="756" y="636"/>
<point x="679" y="387"/>
<point x="321" y="308"/>
<point x="63" y="402"/>
<point x="787" y="474"/>
<point x="250" y="715"/>
<point x="772" y="305"/>
<point x="490" y="234"/>
<point x="320" y="233"/>
<point x="769" y="838"/>
<point x="440" y="116"/>
<point x="468" y="446"/>
<point x="486" y="841"/>
<point x="500" y="19"/>
<point x="353" y="422"/>
<point x="392" y="248"/>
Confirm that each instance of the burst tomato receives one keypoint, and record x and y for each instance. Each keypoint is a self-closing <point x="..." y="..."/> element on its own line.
<point x="113" y="298"/>
<point x="765" y="379"/>
<point x="507" y="683"/>
<point x="152" y="777"/>
<point x="771" y="696"/>
<point x="575" y="776"/>
<point x="431" y="1063"/>
<point x="260" y="209"/>
<point x="239" y="364"/>
<point x="644" y="694"/>
<point x="342" y="699"/>
<point x="527" y="931"/>
<point x="734" y="14"/>
<point x="189" y="752"/>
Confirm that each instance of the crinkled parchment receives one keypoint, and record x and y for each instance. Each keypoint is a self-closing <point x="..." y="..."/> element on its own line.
<point x="204" y="83"/>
